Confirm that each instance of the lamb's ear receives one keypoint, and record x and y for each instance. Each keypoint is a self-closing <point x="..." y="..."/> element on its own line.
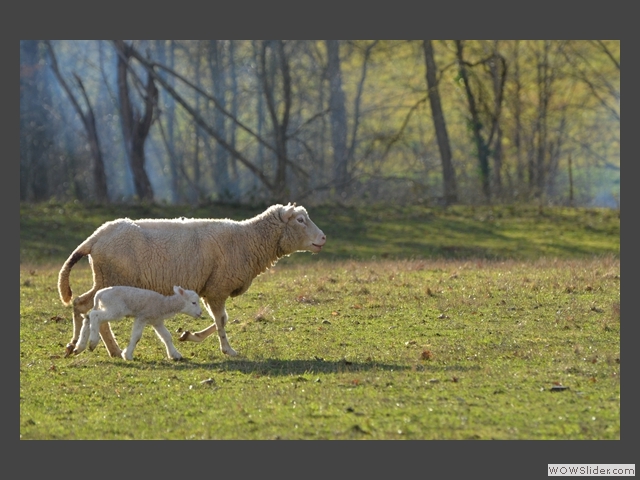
<point x="287" y="212"/>
<point x="178" y="290"/>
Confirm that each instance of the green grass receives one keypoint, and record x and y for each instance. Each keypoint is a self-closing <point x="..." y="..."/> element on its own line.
<point x="429" y="340"/>
<point x="49" y="232"/>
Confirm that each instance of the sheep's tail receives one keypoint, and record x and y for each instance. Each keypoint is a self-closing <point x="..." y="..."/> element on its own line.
<point x="63" y="277"/>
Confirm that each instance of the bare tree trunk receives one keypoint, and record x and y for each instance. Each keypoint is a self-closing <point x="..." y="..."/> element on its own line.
<point x="35" y="139"/>
<point x="279" y="191"/>
<point x="476" y="125"/>
<point x="448" y="172"/>
<point x="545" y="80"/>
<point x="135" y="127"/>
<point x="517" y="114"/>
<point x="169" y="116"/>
<point x="89" y="121"/>
<point x="225" y="188"/>
<point x="338" y="116"/>
<point x="571" y="204"/>
<point x="498" y="76"/>
<point x="232" y="130"/>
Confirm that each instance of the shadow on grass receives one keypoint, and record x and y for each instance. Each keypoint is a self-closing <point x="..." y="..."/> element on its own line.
<point x="269" y="366"/>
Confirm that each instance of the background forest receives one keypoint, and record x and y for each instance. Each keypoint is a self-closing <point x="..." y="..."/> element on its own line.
<point x="435" y="122"/>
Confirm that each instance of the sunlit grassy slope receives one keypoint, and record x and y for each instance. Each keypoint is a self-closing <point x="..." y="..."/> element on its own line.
<point x="49" y="232"/>
<point x="413" y="323"/>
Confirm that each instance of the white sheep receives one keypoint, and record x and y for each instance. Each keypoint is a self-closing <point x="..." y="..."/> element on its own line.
<point x="217" y="258"/>
<point x="148" y="308"/>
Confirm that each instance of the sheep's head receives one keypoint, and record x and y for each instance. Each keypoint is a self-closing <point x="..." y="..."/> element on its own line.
<point x="300" y="234"/>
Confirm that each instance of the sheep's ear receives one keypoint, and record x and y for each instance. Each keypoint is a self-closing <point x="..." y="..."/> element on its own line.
<point x="287" y="212"/>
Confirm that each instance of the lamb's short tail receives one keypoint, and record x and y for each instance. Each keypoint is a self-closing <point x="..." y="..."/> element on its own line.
<point x="63" y="277"/>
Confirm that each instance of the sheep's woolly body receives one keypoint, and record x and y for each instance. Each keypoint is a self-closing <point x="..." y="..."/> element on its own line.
<point x="217" y="258"/>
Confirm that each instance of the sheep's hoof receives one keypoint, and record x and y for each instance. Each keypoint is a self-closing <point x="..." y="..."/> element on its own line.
<point x="231" y="352"/>
<point x="69" y="349"/>
<point x="185" y="336"/>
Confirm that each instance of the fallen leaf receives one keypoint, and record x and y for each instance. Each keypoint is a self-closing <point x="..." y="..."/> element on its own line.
<point x="426" y="355"/>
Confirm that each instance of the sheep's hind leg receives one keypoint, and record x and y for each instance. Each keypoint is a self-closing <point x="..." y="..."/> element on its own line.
<point x="220" y="315"/>
<point x="165" y="336"/>
<point x="109" y="340"/>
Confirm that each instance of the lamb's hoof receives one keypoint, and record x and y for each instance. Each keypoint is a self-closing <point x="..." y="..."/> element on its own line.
<point x="177" y="359"/>
<point x="185" y="336"/>
<point x="231" y="352"/>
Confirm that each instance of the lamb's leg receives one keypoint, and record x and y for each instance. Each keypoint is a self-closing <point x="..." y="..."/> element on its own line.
<point x="165" y="336"/>
<point x="136" y="334"/>
<point x="81" y="305"/>
<point x="95" y="321"/>
<point x="84" y="335"/>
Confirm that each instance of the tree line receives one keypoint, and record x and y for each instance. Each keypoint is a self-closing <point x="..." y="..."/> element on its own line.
<point x="258" y="121"/>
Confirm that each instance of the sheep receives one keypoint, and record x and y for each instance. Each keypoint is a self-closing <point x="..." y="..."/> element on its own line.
<point x="147" y="306"/>
<point x="217" y="258"/>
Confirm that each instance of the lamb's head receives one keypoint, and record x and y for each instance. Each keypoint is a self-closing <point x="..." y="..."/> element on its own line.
<point x="191" y="301"/>
<point x="300" y="233"/>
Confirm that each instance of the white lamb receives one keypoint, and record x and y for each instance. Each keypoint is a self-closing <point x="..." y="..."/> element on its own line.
<point x="147" y="306"/>
<point x="217" y="258"/>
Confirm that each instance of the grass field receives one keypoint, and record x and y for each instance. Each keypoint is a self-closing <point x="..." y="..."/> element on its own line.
<point x="411" y="324"/>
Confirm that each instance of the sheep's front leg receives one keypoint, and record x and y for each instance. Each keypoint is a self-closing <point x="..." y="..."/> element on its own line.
<point x="136" y="335"/>
<point x="165" y="336"/>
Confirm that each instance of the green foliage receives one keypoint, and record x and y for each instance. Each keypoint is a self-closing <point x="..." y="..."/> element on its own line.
<point x="450" y="340"/>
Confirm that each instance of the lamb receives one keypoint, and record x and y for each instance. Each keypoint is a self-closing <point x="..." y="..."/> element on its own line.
<point x="147" y="306"/>
<point x="217" y="258"/>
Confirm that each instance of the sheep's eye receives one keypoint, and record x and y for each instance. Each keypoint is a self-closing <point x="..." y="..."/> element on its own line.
<point x="300" y="220"/>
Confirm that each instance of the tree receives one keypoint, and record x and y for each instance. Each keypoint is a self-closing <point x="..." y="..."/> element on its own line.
<point x="89" y="121"/>
<point x="36" y="138"/>
<point x="279" y="124"/>
<point x="226" y="185"/>
<point x="440" y="126"/>
<point x="485" y="115"/>
<point x="338" y="115"/>
<point x="135" y="126"/>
